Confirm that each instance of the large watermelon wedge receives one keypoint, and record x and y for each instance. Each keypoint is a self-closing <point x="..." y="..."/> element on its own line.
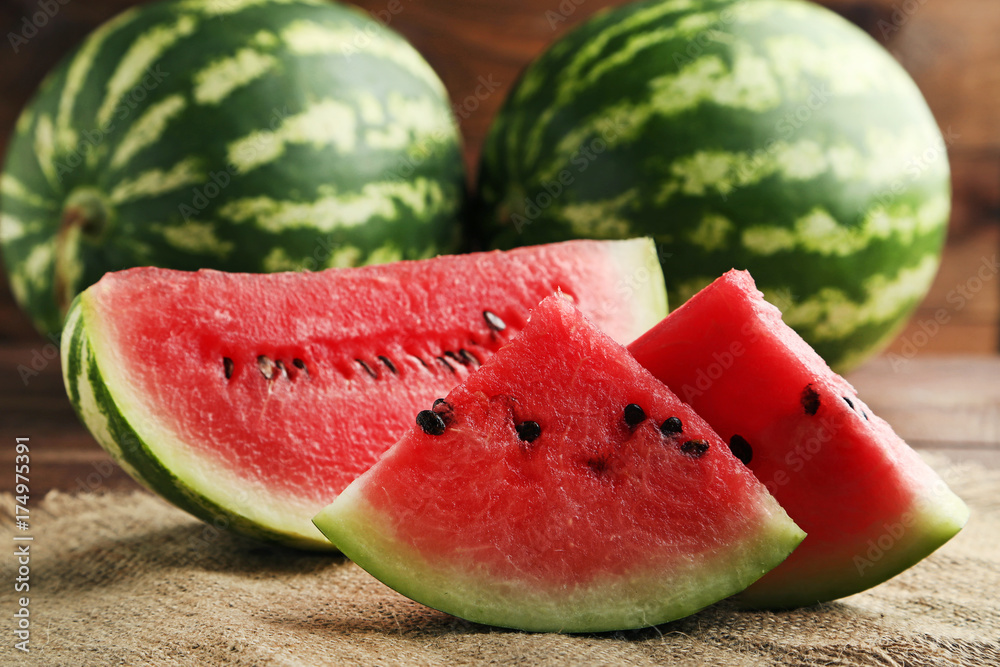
<point x="251" y="400"/>
<point x="560" y="487"/>
<point x="869" y="503"/>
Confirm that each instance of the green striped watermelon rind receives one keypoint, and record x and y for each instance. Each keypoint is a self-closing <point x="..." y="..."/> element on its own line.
<point x="211" y="133"/>
<point x="769" y="135"/>
<point x="109" y="417"/>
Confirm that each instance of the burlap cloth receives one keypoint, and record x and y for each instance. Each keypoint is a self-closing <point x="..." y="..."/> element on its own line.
<point x="127" y="579"/>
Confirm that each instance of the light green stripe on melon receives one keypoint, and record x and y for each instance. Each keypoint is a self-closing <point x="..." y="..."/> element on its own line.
<point x="11" y="228"/>
<point x="820" y="233"/>
<point x="25" y="121"/>
<point x="228" y="7"/>
<point x="12" y="188"/>
<point x="148" y="129"/>
<point x="837" y="68"/>
<point x="724" y="172"/>
<point x="215" y="82"/>
<point x="310" y="38"/>
<point x="35" y="272"/>
<point x="649" y="594"/>
<point x="129" y="429"/>
<point x="607" y="219"/>
<point x="332" y="211"/>
<point x="370" y="108"/>
<point x="711" y="232"/>
<point x="830" y="314"/>
<point x="45" y="148"/>
<point x="143" y="54"/>
<point x="77" y="74"/>
<point x="885" y="156"/>
<point x="412" y="122"/>
<point x="342" y="256"/>
<point x="157" y="182"/>
<point x="328" y="122"/>
<point x="747" y="85"/>
<point x="195" y="237"/>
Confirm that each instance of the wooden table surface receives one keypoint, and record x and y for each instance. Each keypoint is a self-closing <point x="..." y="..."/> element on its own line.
<point x="946" y="405"/>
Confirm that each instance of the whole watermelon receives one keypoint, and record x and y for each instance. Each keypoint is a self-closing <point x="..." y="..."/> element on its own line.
<point x="768" y="135"/>
<point x="243" y="135"/>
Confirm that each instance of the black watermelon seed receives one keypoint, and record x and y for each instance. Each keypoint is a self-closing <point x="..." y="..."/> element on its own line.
<point x="528" y="431"/>
<point x="634" y="415"/>
<point x="850" y="404"/>
<point x="281" y="367"/>
<point x="431" y="422"/>
<point x="741" y="449"/>
<point x="388" y="364"/>
<point x="227" y="366"/>
<point x="368" y="369"/>
<point x="671" y="426"/>
<point x="695" y="448"/>
<point x="469" y="357"/>
<point x="810" y="400"/>
<point x="454" y="355"/>
<point x="444" y="362"/>
<point x="301" y="365"/>
<point x="493" y="321"/>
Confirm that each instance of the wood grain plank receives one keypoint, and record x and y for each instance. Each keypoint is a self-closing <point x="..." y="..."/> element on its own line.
<point x="950" y="401"/>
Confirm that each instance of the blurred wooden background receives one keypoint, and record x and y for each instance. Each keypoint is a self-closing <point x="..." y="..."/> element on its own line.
<point x="949" y="46"/>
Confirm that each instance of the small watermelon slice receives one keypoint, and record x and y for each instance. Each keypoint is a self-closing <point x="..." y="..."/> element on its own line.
<point x="251" y="400"/>
<point x="561" y="487"/>
<point x="869" y="503"/>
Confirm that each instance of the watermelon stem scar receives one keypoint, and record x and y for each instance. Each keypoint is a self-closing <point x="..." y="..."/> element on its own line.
<point x="85" y="218"/>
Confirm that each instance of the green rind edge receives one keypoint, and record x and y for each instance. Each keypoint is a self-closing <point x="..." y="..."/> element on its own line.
<point x="366" y="537"/>
<point x="938" y="515"/>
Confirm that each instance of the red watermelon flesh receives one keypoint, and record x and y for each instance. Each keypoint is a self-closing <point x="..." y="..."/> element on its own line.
<point x="534" y="497"/>
<point x="870" y="505"/>
<point x="251" y="400"/>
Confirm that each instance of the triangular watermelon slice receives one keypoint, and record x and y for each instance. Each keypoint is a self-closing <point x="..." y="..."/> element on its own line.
<point x="251" y="400"/>
<point x="561" y="487"/>
<point x="869" y="503"/>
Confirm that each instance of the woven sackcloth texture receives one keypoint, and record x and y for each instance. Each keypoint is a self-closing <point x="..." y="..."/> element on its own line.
<point x="123" y="578"/>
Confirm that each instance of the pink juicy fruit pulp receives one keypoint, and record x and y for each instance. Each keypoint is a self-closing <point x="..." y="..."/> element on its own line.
<point x="299" y="381"/>
<point x="593" y="495"/>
